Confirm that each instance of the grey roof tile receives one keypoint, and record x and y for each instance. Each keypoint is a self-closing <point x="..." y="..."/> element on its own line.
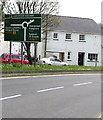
<point x="79" y="25"/>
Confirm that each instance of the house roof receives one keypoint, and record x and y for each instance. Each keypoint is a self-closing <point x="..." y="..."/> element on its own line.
<point x="79" y="25"/>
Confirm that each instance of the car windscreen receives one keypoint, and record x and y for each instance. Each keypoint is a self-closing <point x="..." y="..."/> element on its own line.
<point x="57" y="60"/>
<point x="52" y="59"/>
<point x="16" y="56"/>
<point x="3" y="56"/>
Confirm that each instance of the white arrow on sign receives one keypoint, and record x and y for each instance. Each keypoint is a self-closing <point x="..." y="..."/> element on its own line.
<point x="24" y="25"/>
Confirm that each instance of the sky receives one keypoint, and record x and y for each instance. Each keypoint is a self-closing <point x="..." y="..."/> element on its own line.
<point x="81" y="8"/>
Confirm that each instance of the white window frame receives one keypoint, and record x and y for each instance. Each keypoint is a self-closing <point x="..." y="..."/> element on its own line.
<point x="55" y="36"/>
<point x="69" y="56"/>
<point x="82" y="38"/>
<point x="67" y="36"/>
<point x="93" y="57"/>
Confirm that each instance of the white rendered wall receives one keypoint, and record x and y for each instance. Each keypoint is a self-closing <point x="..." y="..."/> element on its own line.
<point x="92" y="44"/>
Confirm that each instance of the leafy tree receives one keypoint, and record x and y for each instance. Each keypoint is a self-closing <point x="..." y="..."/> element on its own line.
<point x="47" y="8"/>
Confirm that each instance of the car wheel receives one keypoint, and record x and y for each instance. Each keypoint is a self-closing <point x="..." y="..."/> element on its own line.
<point x="64" y="64"/>
<point x="10" y="62"/>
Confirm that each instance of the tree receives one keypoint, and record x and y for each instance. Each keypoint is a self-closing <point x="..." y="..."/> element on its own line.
<point x="47" y="8"/>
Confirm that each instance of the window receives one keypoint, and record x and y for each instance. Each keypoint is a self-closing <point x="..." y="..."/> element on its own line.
<point x="55" y="36"/>
<point x="81" y="37"/>
<point x="69" y="56"/>
<point x="16" y="57"/>
<point x="52" y="59"/>
<point x="68" y="36"/>
<point x="4" y="56"/>
<point x="93" y="57"/>
<point x="57" y="60"/>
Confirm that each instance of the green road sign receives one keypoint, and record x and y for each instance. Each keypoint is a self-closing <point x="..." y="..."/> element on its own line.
<point x="22" y="28"/>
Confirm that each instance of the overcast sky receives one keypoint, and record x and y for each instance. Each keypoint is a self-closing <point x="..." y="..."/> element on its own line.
<point x="81" y="8"/>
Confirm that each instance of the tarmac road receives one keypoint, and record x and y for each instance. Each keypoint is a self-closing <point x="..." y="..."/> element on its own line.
<point x="52" y="96"/>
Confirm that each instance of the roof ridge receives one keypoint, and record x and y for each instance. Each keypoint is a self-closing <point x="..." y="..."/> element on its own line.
<point x="76" y="17"/>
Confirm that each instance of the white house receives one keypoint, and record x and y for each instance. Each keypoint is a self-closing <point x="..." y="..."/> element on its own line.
<point x="4" y="46"/>
<point x="76" y="41"/>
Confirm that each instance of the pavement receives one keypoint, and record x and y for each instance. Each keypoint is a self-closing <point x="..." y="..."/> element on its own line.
<point x="46" y="72"/>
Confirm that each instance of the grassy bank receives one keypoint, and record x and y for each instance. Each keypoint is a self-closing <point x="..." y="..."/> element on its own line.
<point x="39" y="67"/>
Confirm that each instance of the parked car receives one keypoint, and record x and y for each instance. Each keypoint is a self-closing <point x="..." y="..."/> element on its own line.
<point x="52" y="61"/>
<point x="15" y="58"/>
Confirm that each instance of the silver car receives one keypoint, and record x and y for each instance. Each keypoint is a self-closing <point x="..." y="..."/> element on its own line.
<point x="52" y="61"/>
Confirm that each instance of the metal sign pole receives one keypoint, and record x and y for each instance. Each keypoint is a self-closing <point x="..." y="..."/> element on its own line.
<point x="21" y="52"/>
<point x="10" y="50"/>
<point x="35" y="53"/>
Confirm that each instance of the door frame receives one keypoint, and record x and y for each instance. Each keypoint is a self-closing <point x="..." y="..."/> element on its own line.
<point x="81" y="56"/>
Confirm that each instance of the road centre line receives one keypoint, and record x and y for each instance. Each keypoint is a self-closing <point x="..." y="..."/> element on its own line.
<point x="79" y="84"/>
<point x="50" y="89"/>
<point x="10" y="97"/>
<point x="4" y="78"/>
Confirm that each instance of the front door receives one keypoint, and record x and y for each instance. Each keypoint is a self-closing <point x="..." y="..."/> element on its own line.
<point x="81" y="58"/>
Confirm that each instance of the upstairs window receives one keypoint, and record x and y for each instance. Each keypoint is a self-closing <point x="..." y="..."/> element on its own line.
<point x="81" y="37"/>
<point x="68" y="37"/>
<point x="55" y="36"/>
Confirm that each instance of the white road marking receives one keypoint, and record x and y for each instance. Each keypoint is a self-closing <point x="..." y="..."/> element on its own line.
<point x="49" y="89"/>
<point x="10" y="97"/>
<point x="82" y="84"/>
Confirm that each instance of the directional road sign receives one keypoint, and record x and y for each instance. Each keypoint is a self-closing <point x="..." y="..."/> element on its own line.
<point x="22" y="27"/>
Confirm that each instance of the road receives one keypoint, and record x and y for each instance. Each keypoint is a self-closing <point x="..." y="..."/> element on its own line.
<point x="52" y="96"/>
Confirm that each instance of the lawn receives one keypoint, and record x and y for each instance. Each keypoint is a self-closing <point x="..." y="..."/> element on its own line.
<point x="40" y="67"/>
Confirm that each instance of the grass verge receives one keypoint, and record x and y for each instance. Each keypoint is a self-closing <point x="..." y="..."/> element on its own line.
<point x="39" y="67"/>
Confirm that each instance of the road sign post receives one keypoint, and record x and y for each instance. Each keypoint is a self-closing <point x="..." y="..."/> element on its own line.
<point x="21" y="52"/>
<point x="10" y="50"/>
<point x="35" y="53"/>
<point x="23" y="28"/>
